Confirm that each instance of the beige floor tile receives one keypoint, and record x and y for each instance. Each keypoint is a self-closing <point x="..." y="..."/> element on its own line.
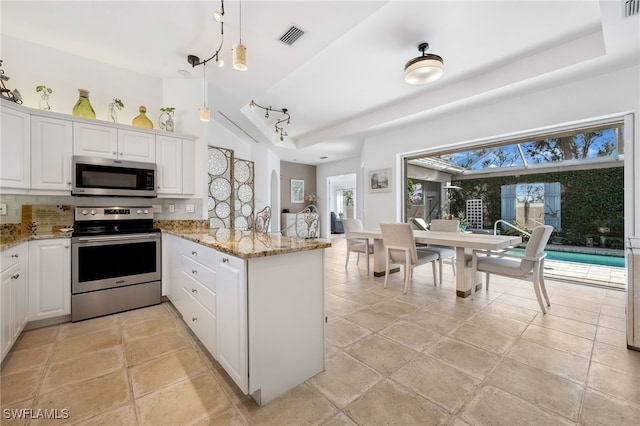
<point x="86" y="366"/>
<point x="90" y="326"/>
<point x="144" y="349"/>
<point x="573" y="313"/>
<point x="381" y="353"/>
<point x="90" y="397"/>
<point x="612" y="337"/>
<point x="27" y="359"/>
<point x="499" y="323"/>
<point x="229" y="417"/>
<point x="34" y="338"/>
<point x="152" y="312"/>
<point x="439" y="323"/>
<point x="14" y="414"/>
<point x="621" y="358"/>
<point x="552" y="360"/>
<point x="617" y="323"/>
<point x="372" y="319"/>
<point x="64" y="350"/>
<point x="559" y="340"/>
<point x="467" y="358"/>
<point x="19" y="386"/>
<point x="538" y="387"/>
<point x="437" y="382"/>
<point x="388" y="403"/>
<point x="614" y="382"/>
<point x="599" y="409"/>
<point x="125" y="415"/>
<point x="511" y="311"/>
<point x="396" y="307"/>
<point x="340" y="419"/>
<point x="166" y="370"/>
<point x="344" y="379"/>
<point x="148" y="327"/>
<point x="302" y="405"/>
<point x="342" y="306"/>
<point x="520" y="302"/>
<point x="567" y="325"/>
<point x="341" y="332"/>
<point x="483" y="337"/>
<point x="184" y="402"/>
<point x="410" y="335"/>
<point x="614" y="311"/>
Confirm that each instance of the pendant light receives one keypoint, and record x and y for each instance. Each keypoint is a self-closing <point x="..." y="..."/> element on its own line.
<point x="205" y="114"/>
<point x="239" y="50"/>
<point x="423" y="69"/>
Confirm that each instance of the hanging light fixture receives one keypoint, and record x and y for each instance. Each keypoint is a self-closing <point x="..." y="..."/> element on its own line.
<point x="205" y="114"/>
<point x="285" y="118"/>
<point x="239" y="50"/>
<point x="218" y="15"/>
<point x="423" y="69"/>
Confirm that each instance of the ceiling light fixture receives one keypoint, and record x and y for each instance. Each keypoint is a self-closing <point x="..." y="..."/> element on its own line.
<point x="195" y="61"/>
<point x="423" y="69"/>
<point x="285" y="118"/>
<point x="205" y="113"/>
<point x="239" y="50"/>
<point x="218" y="15"/>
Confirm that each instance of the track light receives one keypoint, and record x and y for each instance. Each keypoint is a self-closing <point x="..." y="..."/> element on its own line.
<point x="284" y="119"/>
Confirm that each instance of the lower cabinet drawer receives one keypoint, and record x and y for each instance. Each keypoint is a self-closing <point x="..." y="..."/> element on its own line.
<point x="201" y="293"/>
<point x="201" y="322"/>
<point x="199" y="272"/>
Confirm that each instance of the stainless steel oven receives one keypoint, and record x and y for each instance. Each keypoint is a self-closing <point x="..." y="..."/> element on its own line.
<point x="116" y="256"/>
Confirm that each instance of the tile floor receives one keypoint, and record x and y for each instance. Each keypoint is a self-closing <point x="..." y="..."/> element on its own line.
<point x="424" y="358"/>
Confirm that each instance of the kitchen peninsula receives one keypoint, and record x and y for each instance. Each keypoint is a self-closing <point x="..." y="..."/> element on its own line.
<point x="255" y="301"/>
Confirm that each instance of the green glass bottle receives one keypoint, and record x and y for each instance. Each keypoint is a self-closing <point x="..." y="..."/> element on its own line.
<point x="83" y="107"/>
<point x="142" y="120"/>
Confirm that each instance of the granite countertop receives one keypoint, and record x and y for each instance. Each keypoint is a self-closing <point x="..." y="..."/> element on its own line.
<point x="249" y="244"/>
<point x="12" y="240"/>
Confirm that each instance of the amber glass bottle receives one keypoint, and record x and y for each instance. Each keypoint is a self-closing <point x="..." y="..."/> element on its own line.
<point x="142" y="120"/>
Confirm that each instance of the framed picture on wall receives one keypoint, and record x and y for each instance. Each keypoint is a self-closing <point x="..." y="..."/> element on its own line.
<point x="297" y="191"/>
<point x="380" y="180"/>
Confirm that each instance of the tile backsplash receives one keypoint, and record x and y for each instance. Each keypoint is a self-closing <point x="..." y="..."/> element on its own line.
<point x="163" y="209"/>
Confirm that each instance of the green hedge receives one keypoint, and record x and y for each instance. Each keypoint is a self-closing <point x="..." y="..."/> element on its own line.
<point x="589" y="199"/>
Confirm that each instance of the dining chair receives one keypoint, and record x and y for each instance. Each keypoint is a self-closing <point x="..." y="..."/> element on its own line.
<point x="356" y="244"/>
<point x="446" y="252"/>
<point x="531" y="260"/>
<point x="262" y="219"/>
<point x="400" y="248"/>
<point x="420" y="224"/>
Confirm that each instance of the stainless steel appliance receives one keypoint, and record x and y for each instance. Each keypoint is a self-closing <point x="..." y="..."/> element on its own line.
<point x="116" y="256"/>
<point x="105" y="176"/>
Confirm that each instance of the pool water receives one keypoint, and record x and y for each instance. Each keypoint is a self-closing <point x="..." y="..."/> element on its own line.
<point x="591" y="259"/>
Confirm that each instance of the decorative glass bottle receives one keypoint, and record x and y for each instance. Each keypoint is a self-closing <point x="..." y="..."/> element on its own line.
<point x="141" y="120"/>
<point x="83" y="107"/>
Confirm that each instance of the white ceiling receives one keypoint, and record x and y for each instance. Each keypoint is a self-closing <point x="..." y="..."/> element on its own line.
<point x="342" y="80"/>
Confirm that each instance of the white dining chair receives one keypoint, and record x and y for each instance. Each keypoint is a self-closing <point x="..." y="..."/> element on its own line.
<point x="357" y="245"/>
<point x="400" y="248"/>
<point x="530" y="260"/>
<point x="445" y="252"/>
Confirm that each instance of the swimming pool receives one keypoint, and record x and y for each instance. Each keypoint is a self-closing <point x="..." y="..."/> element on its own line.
<point x="591" y="259"/>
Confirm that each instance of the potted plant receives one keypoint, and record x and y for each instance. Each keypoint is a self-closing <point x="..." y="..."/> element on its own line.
<point x="116" y="104"/>
<point x="44" y="99"/>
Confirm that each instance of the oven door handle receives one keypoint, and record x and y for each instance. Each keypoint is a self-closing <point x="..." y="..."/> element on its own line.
<point x="117" y="237"/>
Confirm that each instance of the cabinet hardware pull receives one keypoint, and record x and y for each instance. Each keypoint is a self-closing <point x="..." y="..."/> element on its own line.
<point x="114" y="153"/>
<point x="66" y="246"/>
<point x="16" y="255"/>
<point x="194" y="290"/>
<point x="194" y="271"/>
<point x="225" y="260"/>
<point x="195" y="253"/>
<point x="194" y="319"/>
<point x="15" y="276"/>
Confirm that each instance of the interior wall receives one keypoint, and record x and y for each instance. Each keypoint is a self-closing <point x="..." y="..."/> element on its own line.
<point x="336" y="168"/>
<point x="290" y="171"/>
<point x="602" y="95"/>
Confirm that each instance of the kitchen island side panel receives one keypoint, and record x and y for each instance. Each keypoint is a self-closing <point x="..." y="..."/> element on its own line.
<point x="286" y="322"/>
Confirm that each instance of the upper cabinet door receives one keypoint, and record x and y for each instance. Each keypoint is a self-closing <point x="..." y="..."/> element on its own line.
<point x="94" y="140"/>
<point x="169" y="162"/>
<point x="136" y="146"/>
<point x="15" y="149"/>
<point x="51" y="151"/>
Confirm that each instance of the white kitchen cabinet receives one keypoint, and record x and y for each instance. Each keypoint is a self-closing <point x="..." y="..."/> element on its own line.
<point x="51" y="151"/>
<point x="14" y="295"/>
<point x="175" y="159"/>
<point x="49" y="278"/>
<point x="110" y="142"/>
<point x="232" y="318"/>
<point x="15" y="147"/>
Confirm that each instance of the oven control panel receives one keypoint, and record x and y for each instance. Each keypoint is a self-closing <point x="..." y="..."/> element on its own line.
<point x="113" y="213"/>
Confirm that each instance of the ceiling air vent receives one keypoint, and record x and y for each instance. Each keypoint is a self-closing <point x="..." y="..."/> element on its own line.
<point x="293" y="34"/>
<point x="631" y="7"/>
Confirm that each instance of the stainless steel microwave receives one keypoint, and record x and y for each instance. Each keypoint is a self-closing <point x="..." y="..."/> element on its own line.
<point x="110" y="177"/>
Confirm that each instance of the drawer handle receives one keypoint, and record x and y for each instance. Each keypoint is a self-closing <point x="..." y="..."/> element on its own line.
<point x="193" y="271"/>
<point x="15" y="276"/>
<point x="16" y="255"/>
<point x="195" y="253"/>
<point x="225" y="260"/>
<point x="194" y="290"/>
<point x="194" y="319"/>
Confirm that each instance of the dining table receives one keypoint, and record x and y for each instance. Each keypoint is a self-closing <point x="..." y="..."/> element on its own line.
<point x="463" y="242"/>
